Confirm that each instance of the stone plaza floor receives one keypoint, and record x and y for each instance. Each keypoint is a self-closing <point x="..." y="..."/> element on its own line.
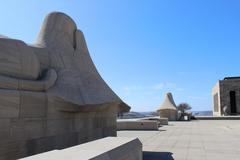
<point x="194" y="140"/>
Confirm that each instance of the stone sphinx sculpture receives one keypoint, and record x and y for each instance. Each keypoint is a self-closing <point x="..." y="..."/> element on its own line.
<point x="168" y="108"/>
<point x="51" y="95"/>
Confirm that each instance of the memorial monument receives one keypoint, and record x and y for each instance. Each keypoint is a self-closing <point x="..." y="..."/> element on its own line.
<point x="168" y="108"/>
<point x="51" y="95"/>
<point x="226" y="97"/>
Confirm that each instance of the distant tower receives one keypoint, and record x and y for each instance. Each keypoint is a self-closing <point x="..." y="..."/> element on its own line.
<point x="168" y="108"/>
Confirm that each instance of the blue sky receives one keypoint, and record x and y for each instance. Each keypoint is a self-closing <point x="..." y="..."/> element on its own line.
<point x="145" y="48"/>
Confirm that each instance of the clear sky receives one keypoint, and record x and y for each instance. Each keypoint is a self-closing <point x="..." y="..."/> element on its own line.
<point x="145" y="48"/>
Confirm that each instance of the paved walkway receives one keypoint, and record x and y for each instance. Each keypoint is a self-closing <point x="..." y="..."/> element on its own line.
<point x="195" y="140"/>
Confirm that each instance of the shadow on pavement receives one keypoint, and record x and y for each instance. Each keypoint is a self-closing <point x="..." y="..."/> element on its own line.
<point x="148" y="155"/>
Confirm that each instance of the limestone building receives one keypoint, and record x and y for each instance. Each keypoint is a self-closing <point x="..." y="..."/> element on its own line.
<point x="226" y="96"/>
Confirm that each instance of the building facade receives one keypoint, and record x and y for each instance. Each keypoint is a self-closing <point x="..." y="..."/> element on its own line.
<point x="226" y="97"/>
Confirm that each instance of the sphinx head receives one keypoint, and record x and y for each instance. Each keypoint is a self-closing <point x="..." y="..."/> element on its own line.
<point x="57" y="29"/>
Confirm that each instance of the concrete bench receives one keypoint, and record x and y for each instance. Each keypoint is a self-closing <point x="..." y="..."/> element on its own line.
<point x="110" y="148"/>
<point x="161" y="121"/>
<point x="137" y="125"/>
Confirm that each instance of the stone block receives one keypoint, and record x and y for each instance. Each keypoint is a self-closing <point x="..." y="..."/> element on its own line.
<point x="59" y="126"/>
<point x="82" y="136"/>
<point x="33" y="104"/>
<point x="79" y="124"/>
<point x="4" y="128"/>
<point x="30" y="128"/>
<point x="15" y="59"/>
<point x="35" y="128"/>
<point x="9" y="106"/>
<point x="94" y="133"/>
<point x="17" y="129"/>
<point x="10" y="149"/>
<point x="54" y="113"/>
<point x="48" y="143"/>
<point x="90" y="134"/>
<point x="110" y="148"/>
<point x="163" y="121"/>
<point x="109" y="131"/>
<point x="111" y="121"/>
<point x="137" y="125"/>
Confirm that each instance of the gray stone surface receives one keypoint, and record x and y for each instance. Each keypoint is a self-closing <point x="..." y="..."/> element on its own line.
<point x="15" y="59"/>
<point x="168" y="108"/>
<point x="160" y="121"/>
<point x="110" y="148"/>
<point x="137" y="125"/>
<point x="193" y="140"/>
<point x="163" y="121"/>
<point x="51" y="95"/>
<point x="217" y="117"/>
<point x="221" y="96"/>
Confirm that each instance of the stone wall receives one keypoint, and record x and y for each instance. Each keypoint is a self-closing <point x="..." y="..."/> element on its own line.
<point x="36" y="125"/>
<point x="216" y="100"/>
<point x="222" y="89"/>
<point x="109" y="148"/>
<point x="225" y="87"/>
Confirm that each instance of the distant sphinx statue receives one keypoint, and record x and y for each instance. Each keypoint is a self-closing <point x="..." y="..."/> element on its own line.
<point x="51" y="95"/>
<point x="226" y="110"/>
<point x="168" y="108"/>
